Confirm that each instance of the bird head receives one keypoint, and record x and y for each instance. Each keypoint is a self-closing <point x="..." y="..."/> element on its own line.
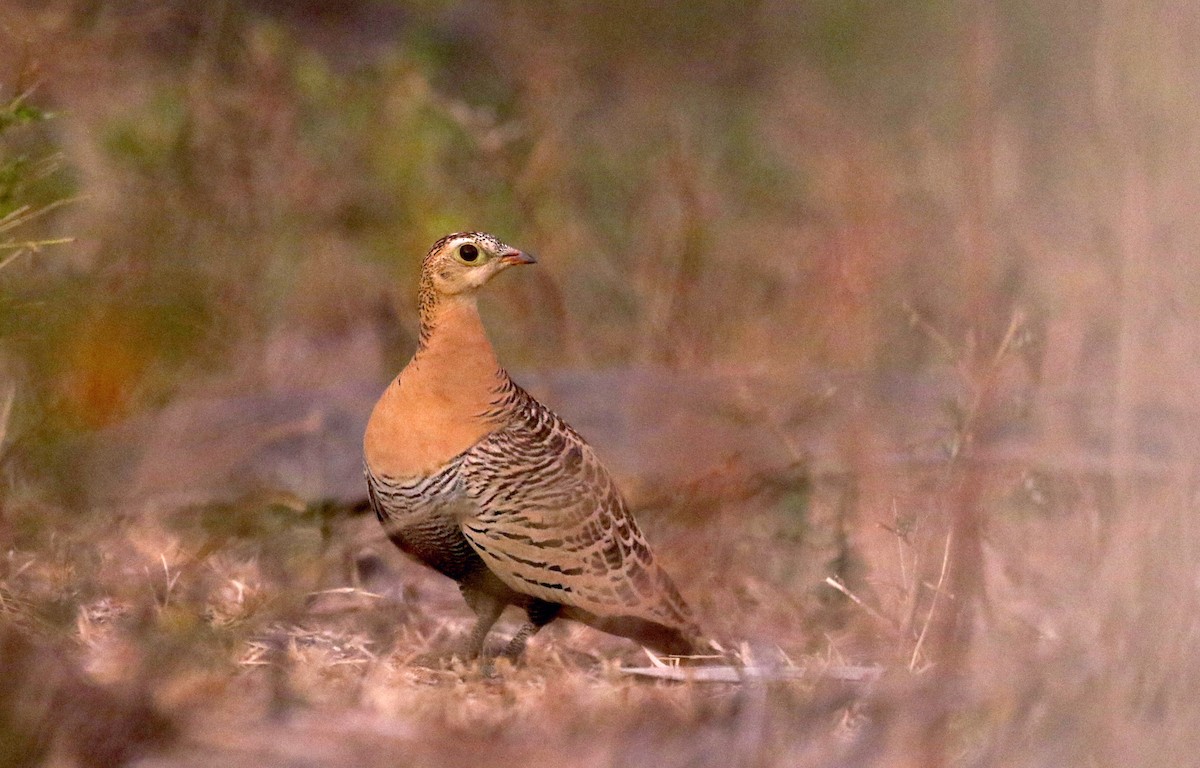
<point x="465" y="261"/>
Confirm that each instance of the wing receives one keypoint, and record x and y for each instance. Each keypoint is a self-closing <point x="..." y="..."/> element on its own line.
<point x="551" y="523"/>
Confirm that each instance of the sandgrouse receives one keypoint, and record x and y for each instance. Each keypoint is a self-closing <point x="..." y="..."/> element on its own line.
<point x="475" y="478"/>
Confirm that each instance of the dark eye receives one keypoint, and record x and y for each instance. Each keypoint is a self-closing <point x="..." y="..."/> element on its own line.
<point x="468" y="252"/>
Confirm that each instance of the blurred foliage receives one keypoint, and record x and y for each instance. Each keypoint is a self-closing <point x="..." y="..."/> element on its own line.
<point x="712" y="182"/>
<point x="728" y="185"/>
<point x="28" y="176"/>
<point x="32" y="187"/>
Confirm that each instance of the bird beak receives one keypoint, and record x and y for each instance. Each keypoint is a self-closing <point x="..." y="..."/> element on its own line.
<point x="513" y="257"/>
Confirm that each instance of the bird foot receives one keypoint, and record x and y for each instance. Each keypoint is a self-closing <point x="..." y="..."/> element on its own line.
<point x="440" y="660"/>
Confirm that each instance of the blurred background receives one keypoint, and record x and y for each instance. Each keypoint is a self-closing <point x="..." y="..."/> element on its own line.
<point x="884" y="314"/>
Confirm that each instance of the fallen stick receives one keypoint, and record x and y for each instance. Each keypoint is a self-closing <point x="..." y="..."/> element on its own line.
<point x="731" y="674"/>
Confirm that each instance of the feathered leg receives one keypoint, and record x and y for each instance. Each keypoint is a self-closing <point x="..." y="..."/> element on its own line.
<point x="540" y="614"/>
<point x="487" y="609"/>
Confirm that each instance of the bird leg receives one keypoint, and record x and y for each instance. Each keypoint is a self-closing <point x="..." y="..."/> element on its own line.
<point x="516" y="646"/>
<point x="487" y="608"/>
<point x="540" y="614"/>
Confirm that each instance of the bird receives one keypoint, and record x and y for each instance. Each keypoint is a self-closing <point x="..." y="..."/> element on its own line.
<point x="472" y="476"/>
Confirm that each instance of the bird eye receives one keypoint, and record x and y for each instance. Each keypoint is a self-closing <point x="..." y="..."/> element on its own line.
<point x="468" y="252"/>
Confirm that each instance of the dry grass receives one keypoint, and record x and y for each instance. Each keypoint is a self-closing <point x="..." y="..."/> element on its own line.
<point x="940" y="260"/>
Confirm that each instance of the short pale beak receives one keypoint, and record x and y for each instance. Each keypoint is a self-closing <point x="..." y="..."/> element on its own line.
<point x="514" y="257"/>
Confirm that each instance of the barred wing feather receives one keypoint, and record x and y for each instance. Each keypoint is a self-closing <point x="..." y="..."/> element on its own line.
<point x="550" y="523"/>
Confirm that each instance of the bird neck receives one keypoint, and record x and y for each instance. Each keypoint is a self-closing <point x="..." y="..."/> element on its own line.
<point x="450" y="395"/>
<point x="452" y="336"/>
<point x="427" y="307"/>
